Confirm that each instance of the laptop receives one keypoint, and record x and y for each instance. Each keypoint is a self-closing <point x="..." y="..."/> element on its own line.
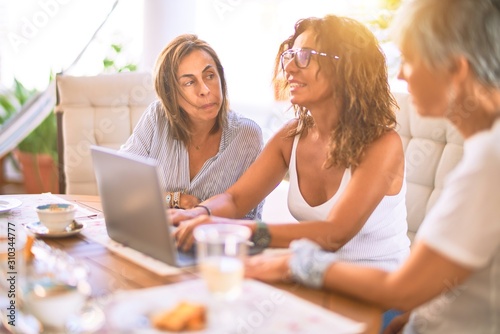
<point x="133" y="205"/>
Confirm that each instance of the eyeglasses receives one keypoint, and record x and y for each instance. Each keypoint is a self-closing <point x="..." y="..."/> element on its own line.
<point x="302" y="57"/>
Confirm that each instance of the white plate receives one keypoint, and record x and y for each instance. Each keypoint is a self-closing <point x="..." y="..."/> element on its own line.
<point x="134" y="316"/>
<point x="260" y="308"/>
<point x="7" y="204"/>
<point x="39" y="230"/>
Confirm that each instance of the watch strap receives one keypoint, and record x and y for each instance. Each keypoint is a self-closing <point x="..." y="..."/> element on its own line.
<point x="261" y="237"/>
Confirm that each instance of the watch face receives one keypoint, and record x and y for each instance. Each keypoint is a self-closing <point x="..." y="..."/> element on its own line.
<point x="262" y="238"/>
<point x="263" y="241"/>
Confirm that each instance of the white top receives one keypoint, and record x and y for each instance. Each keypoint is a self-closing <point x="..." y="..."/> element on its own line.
<point x="464" y="226"/>
<point x="241" y="142"/>
<point x="382" y="242"/>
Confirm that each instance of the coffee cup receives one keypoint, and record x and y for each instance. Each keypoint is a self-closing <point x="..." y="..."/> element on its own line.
<point x="56" y="216"/>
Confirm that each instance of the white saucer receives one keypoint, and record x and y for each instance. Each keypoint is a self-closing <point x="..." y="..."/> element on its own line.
<point x="39" y="230"/>
<point x="7" y="204"/>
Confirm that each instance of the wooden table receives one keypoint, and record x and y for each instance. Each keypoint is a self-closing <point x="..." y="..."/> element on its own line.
<point x="110" y="272"/>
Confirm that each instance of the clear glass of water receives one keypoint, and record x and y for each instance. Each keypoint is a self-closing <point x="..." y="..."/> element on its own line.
<point x="221" y="250"/>
<point x="56" y="291"/>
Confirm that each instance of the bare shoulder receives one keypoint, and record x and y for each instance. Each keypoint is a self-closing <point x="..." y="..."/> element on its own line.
<point x="282" y="142"/>
<point x="391" y="135"/>
<point x="283" y="134"/>
<point x="390" y="140"/>
<point x="389" y="147"/>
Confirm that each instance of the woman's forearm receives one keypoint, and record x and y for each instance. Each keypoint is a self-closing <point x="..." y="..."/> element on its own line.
<point x="369" y="284"/>
<point x="424" y="275"/>
<point x="223" y="205"/>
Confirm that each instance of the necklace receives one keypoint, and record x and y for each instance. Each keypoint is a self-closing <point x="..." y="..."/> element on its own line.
<point x="203" y="143"/>
<point x="197" y="146"/>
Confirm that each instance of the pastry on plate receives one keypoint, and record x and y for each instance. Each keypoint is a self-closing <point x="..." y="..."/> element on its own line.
<point x="185" y="316"/>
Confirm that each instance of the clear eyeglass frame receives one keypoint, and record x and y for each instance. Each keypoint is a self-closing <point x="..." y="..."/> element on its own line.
<point x="301" y="56"/>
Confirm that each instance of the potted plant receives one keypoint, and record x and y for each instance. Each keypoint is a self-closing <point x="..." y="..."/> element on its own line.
<point x="37" y="156"/>
<point x="36" y="153"/>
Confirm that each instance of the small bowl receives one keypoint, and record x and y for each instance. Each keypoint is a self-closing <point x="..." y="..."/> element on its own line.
<point x="57" y="216"/>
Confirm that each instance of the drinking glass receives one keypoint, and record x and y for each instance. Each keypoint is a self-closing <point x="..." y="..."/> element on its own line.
<point x="56" y="291"/>
<point x="221" y="249"/>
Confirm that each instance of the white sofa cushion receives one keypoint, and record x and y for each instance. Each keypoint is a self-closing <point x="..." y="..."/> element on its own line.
<point x="432" y="147"/>
<point x="97" y="110"/>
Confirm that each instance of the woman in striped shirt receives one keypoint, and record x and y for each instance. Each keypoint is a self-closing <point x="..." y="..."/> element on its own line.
<point x="201" y="146"/>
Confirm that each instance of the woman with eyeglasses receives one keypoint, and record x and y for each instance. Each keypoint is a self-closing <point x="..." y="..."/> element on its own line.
<point x="344" y="158"/>
<point x="451" y="281"/>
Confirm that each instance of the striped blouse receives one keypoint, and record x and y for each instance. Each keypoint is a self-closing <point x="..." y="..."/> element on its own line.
<point x="240" y="144"/>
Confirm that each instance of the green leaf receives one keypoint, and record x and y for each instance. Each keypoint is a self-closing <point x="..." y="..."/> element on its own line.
<point x="128" y="68"/>
<point x="116" y="47"/>
<point x="7" y="108"/>
<point x="42" y="139"/>
<point x="108" y="62"/>
<point x="11" y="100"/>
<point x="21" y="92"/>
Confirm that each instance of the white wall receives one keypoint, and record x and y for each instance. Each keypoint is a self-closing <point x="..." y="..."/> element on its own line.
<point x="164" y="20"/>
<point x="38" y="37"/>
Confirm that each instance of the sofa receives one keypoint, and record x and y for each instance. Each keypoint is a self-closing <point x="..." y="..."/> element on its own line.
<point x="95" y="110"/>
<point x="433" y="147"/>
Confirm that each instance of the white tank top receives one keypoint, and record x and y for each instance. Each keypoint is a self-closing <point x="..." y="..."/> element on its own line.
<point x="382" y="242"/>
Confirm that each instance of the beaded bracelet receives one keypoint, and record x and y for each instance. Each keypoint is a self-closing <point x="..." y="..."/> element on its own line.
<point x="177" y="198"/>
<point x="204" y="207"/>
<point x="309" y="263"/>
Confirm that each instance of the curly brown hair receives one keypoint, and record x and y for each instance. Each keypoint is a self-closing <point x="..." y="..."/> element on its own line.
<point x="168" y="89"/>
<point x="359" y="78"/>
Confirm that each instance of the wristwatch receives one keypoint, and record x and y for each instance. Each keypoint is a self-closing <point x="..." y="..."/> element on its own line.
<point x="261" y="237"/>
<point x="168" y="199"/>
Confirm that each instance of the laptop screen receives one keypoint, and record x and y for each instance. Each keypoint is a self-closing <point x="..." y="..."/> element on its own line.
<point x="133" y="205"/>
